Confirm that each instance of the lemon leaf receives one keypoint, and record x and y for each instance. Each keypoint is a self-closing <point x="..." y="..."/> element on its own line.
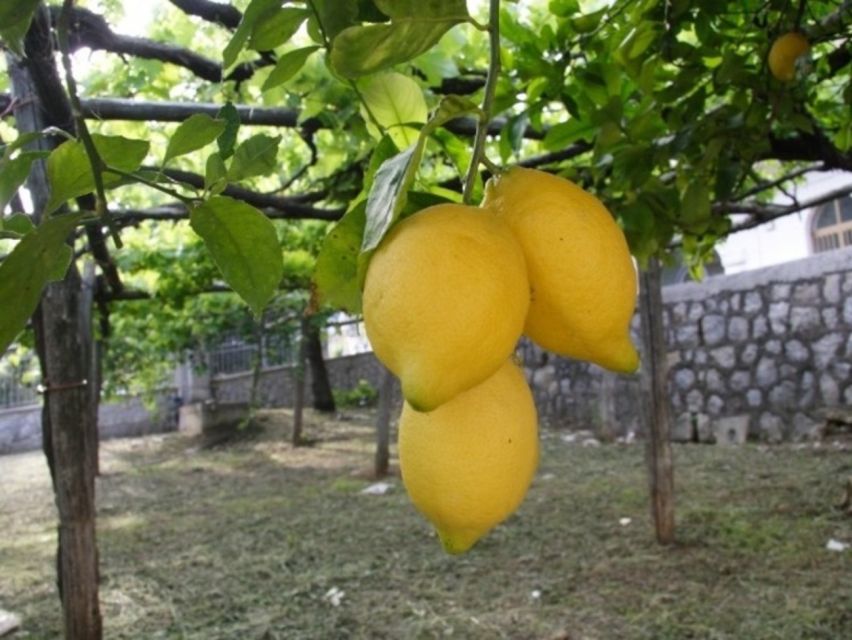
<point x="335" y="279"/>
<point x="395" y="102"/>
<point x="244" y="245"/>
<point x="41" y="256"/>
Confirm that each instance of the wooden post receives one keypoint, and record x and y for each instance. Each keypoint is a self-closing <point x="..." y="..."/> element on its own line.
<point x="320" y="385"/>
<point x="386" y="392"/>
<point x="63" y="341"/>
<point x="656" y="412"/>
<point x="299" y="395"/>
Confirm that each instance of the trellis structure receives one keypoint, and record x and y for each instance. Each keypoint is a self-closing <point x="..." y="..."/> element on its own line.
<point x="63" y="324"/>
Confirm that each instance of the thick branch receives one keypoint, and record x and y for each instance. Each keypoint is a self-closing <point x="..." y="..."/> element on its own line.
<point x="288" y="207"/>
<point x="808" y="147"/>
<point x="222" y="14"/>
<point x="139" y="110"/>
<point x="90" y="30"/>
<point x="284" y="210"/>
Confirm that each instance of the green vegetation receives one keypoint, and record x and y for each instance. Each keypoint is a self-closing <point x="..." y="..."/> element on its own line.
<point x="362" y="395"/>
<point x="248" y="542"/>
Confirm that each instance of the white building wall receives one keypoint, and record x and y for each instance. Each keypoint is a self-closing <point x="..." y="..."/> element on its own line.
<point x="784" y="239"/>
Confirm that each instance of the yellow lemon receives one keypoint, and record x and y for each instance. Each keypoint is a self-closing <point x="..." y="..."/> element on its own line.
<point x="582" y="277"/>
<point x="783" y="55"/>
<point x="468" y="464"/>
<point x="444" y="301"/>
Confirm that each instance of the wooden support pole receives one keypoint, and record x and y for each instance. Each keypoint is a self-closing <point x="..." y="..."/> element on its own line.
<point x="63" y="334"/>
<point x="656" y="412"/>
<point x="299" y="396"/>
<point x="386" y="392"/>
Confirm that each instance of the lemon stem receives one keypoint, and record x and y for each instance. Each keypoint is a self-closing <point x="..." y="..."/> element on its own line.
<point x="487" y="101"/>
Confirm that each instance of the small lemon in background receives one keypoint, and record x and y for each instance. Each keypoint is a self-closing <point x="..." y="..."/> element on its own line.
<point x="785" y="51"/>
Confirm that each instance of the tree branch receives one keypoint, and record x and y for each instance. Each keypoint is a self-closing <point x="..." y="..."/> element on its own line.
<point x="222" y="14"/>
<point x="814" y="147"/>
<point x="763" y="213"/>
<point x="90" y="30"/>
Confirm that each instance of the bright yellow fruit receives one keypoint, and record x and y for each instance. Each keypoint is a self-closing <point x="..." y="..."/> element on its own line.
<point x="784" y="53"/>
<point x="468" y="464"/>
<point x="444" y="301"/>
<point x="581" y="274"/>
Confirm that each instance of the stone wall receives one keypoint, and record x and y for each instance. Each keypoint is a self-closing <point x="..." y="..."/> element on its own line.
<point x="771" y="347"/>
<point x="276" y="386"/>
<point x="20" y="427"/>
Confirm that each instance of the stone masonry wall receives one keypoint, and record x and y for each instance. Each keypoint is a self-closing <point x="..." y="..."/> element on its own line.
<point x="772" y="347"/>
<point x="276" y="386"/>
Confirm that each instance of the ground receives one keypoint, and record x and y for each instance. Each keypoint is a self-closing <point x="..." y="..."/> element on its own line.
<point x="259" y="540"/>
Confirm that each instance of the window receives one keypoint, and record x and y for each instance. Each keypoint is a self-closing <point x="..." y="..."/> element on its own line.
<point x="832" y="225"/>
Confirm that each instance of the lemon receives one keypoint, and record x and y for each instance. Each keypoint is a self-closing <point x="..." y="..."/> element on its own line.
<point x="468" y="464"/>
<point x="582" y="277"/>
<point x="783" y="55"/>
<point x="444" y="301"/>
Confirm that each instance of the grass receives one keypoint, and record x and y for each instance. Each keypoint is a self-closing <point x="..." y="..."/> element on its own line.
<point x="249" y="540"/>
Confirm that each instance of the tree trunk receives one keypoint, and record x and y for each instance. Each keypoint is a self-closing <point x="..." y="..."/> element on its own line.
<point x="299" y="373"/>
<point x="607" y="428"/>
<point x="87" y="304"/>
<point x="386" y="393"/>
<point x="320" y="385"/>
<point x="656" y="410"/>
<point x="63" y="341"/>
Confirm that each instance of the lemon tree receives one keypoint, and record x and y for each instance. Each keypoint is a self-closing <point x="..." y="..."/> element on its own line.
<point x="248" y="118"/>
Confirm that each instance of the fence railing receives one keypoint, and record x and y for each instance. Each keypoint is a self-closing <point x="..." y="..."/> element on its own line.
<point x="240" y="357"/>
<point x="14" y="393"/>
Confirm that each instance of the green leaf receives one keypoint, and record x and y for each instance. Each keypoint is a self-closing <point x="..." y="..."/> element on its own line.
<point x="244" y="245"/>
<point x="335" y="279"/>
<point x="215" y="174"/>
<point x="35" y="260"/>
<point x="228" y="138"/>
<point x="256" y="10"/>
<point x="335" y="16"/>
<point x="195" y="132"/>
<point x="70" y="173"/>
<point x="416" y="26"/>
<point x="15" y="16"/>
<point x="257" y="156"/>
<point x="387" y="197"/>
<point x="288" y="65"/>
<point x="561" y="135"/>
<point x="389" y="191"/>
<point x="395" y="101"/>
<point x="13" y="174"/>
<point x="695" y="204"/>
<point x="276" y="28"/>
<point x="19" y="223"/>
<point x="22" y="140"/>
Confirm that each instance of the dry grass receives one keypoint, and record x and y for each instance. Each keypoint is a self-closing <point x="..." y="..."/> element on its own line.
<point x="246" y="541"/>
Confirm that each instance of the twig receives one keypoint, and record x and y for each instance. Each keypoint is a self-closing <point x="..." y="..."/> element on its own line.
<point x="487" y="101"/>
<point x="95" y="159"/>
<point x="187" y="200"/>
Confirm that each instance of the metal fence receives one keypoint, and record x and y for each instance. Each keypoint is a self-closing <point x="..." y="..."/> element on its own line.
<point x="14" y="393"/>
<point x="238" y="357"/>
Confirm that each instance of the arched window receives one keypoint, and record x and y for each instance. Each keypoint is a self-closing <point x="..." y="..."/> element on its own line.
<point x="832" y="225"/>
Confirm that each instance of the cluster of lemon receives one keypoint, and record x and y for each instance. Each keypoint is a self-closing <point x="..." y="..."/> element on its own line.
<point x="447" y="296"/>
